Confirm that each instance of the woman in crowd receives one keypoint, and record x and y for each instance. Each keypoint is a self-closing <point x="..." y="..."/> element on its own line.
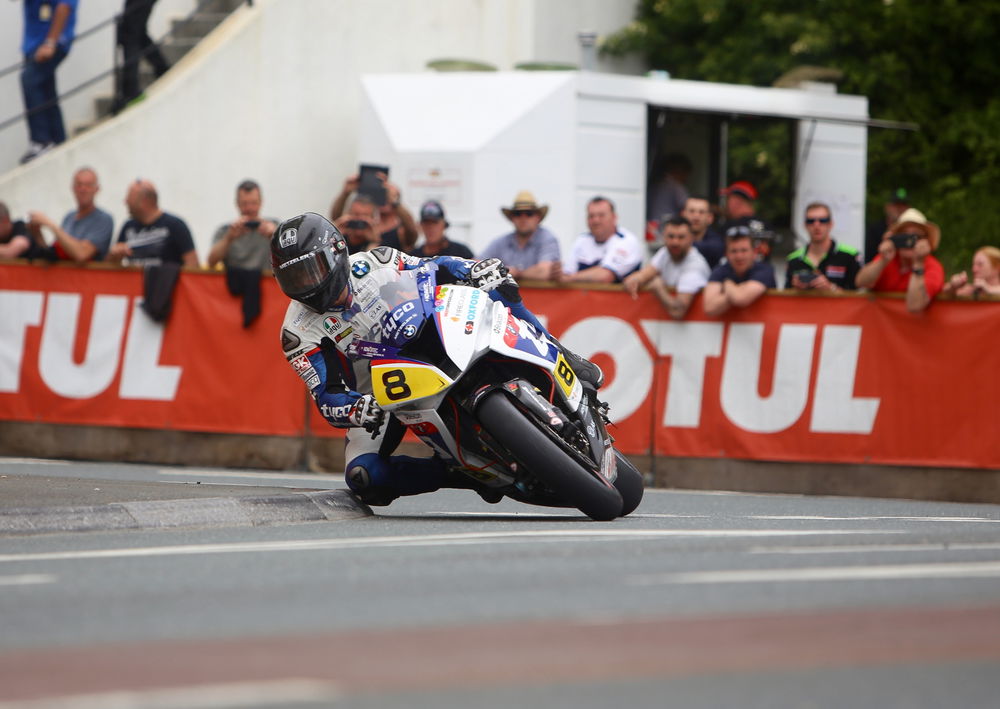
<point x="985" y="275"/>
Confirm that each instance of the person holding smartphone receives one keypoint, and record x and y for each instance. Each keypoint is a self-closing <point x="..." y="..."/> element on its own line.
<point x="904" y="263"/>
<point x="397" y="228"/>
<point x="244" y="242"/>
<point x="822" y="264"/>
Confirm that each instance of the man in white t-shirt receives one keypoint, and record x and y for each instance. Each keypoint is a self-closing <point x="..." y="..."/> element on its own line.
<point x="676" y="266"/>
<point x="607" y="252"/>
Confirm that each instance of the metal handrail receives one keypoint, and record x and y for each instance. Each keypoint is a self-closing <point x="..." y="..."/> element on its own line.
<point x="114" y="19"/>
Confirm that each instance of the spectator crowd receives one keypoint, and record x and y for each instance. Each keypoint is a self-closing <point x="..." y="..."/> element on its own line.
<point x="731" y="265"/>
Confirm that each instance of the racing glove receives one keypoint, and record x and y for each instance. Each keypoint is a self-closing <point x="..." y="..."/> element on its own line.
<point x="366" y="413"/>
<point x="487" y="274"/>
<point x="457" y="267"/>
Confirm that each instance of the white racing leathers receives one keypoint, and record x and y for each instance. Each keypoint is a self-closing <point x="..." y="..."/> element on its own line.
<point x="321" y="347"/>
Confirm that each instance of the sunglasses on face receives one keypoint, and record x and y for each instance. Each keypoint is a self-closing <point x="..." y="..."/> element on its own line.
<point x="821" y="220"/>
<point x="524" y="212"/>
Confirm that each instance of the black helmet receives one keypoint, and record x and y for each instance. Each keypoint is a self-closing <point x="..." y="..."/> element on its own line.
<point x="309" y="258"/>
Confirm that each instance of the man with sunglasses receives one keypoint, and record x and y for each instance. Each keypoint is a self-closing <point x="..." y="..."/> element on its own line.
<point x="530" y="251"/>
<point x="823" y="264"/>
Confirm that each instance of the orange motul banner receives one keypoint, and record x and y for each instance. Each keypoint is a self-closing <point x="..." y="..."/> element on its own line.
<point x="793" y="378"/>
<point x="75" y="348"/>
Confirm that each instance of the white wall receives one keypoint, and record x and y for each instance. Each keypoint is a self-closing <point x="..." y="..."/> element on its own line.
<point x="274" y="94"/>
<point x="90" y="56"/>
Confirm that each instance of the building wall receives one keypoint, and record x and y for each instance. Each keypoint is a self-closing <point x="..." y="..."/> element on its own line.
<point x="275" y="94"/>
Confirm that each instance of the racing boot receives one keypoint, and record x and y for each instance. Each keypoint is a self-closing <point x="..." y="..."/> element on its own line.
<point x="457" y="480"/>
<point x="587" y="371"/>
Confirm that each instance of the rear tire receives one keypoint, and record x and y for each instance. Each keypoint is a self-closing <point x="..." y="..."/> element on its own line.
<point x="593" y="496"/>
<point x="629" y="483"/>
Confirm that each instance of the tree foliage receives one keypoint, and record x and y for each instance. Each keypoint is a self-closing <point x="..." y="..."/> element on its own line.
<point x="934" y="63"/>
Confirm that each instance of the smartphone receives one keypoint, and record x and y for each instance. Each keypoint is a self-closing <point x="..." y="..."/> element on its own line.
<point x="904" y="241"/>
<point x="356" y="224"/>
<point x="806" y="276"/>
<point x="370" y="185"/>
<point x="253" y="224"/>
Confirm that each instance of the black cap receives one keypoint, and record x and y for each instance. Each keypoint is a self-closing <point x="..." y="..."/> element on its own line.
<point x="431" y="211"/>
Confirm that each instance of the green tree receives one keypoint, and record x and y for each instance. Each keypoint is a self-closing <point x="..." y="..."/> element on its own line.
<point x="934" y="63"/>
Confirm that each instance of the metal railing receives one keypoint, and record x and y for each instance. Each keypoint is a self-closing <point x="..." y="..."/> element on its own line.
<point x="116" y="65"/>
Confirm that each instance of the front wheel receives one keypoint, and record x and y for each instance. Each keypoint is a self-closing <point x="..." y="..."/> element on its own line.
<point x="592" y="495"/>
<point x="629" y="483"/>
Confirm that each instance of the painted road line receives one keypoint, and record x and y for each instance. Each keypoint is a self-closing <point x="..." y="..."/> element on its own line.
<point x="881" y="518"/>
<point x="875" y="548"/>
<point x="981" y="569"/>
<point x="207" y="696"/>
<point x="429" y="540"/>
<point x="253" y="475"/>
<point x="26" y="579"/>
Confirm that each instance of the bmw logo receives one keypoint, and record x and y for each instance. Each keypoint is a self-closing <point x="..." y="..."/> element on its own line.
<point x="360" y="269"/>
<point x="409" y="331"/>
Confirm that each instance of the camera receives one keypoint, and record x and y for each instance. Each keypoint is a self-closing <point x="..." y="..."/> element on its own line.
<point x="253" y="224"/>
<point x="356" y="224"/>
<point x="904" y="241"/>
<point x="369" y="183"/>
<point x="805" y="276"/>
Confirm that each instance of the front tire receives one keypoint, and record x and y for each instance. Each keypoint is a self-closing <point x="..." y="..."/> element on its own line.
<point x="629" y="483"/>
<point x="592" y="495"/>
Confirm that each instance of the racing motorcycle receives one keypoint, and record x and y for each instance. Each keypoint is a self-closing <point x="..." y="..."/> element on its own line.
<point x="495" y="398"/>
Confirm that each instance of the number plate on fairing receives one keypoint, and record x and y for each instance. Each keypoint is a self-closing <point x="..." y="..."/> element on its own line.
<point x="396" y="382"/>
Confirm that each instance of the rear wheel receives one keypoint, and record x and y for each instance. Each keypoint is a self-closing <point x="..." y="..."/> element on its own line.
<point x="533" y="449"/>
<point x="629" y="483"/>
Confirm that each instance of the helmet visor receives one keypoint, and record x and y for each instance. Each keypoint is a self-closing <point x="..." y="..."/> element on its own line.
<point x="305" y="273"/>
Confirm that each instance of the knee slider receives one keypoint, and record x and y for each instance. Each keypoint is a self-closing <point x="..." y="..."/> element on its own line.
<point x="365" y="477"/>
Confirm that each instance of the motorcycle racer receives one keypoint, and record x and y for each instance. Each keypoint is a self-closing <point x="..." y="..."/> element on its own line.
<point x="336" y="308"/>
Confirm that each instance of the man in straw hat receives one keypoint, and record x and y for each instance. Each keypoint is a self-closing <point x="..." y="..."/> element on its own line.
<point x="530" y="251"/>
<point x="904" y="263"/>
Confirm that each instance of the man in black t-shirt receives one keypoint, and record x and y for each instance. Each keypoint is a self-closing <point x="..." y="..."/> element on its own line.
<point x="822" y="264"/>
<point x="740" y="281"/>
<point x="152" y="236"/>
<point x="436" y="243"/>
<point x="15" y="241"/>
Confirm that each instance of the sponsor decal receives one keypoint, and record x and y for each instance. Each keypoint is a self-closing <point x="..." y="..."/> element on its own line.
<point x="383" y="253"/>
<point x="835" y="271"/>
<point x="289" y="340"/>
<point x="469" y="325"/>
<point x="473" y="305"/>
<point x="341" y="336"/>
<point x="360" y="269"/>
<point x="288" y="237"/>
<point x="510" y="335"/>
<point x="303" y="367"/>
<point x="331" y="325"/>
<point x="409" y="331"/>
<point x="424" y="428"/>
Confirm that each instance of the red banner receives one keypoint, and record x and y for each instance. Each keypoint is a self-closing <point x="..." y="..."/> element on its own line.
<point x="843" y="379"/>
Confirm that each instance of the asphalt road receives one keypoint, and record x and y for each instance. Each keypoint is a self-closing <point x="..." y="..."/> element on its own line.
<point x="696" y="600"/>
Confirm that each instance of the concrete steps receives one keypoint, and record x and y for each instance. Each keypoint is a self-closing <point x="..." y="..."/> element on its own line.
<point x="184" y="35"/>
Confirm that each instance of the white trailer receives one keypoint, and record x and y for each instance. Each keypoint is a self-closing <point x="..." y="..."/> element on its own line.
<point x="473" y="140"/>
